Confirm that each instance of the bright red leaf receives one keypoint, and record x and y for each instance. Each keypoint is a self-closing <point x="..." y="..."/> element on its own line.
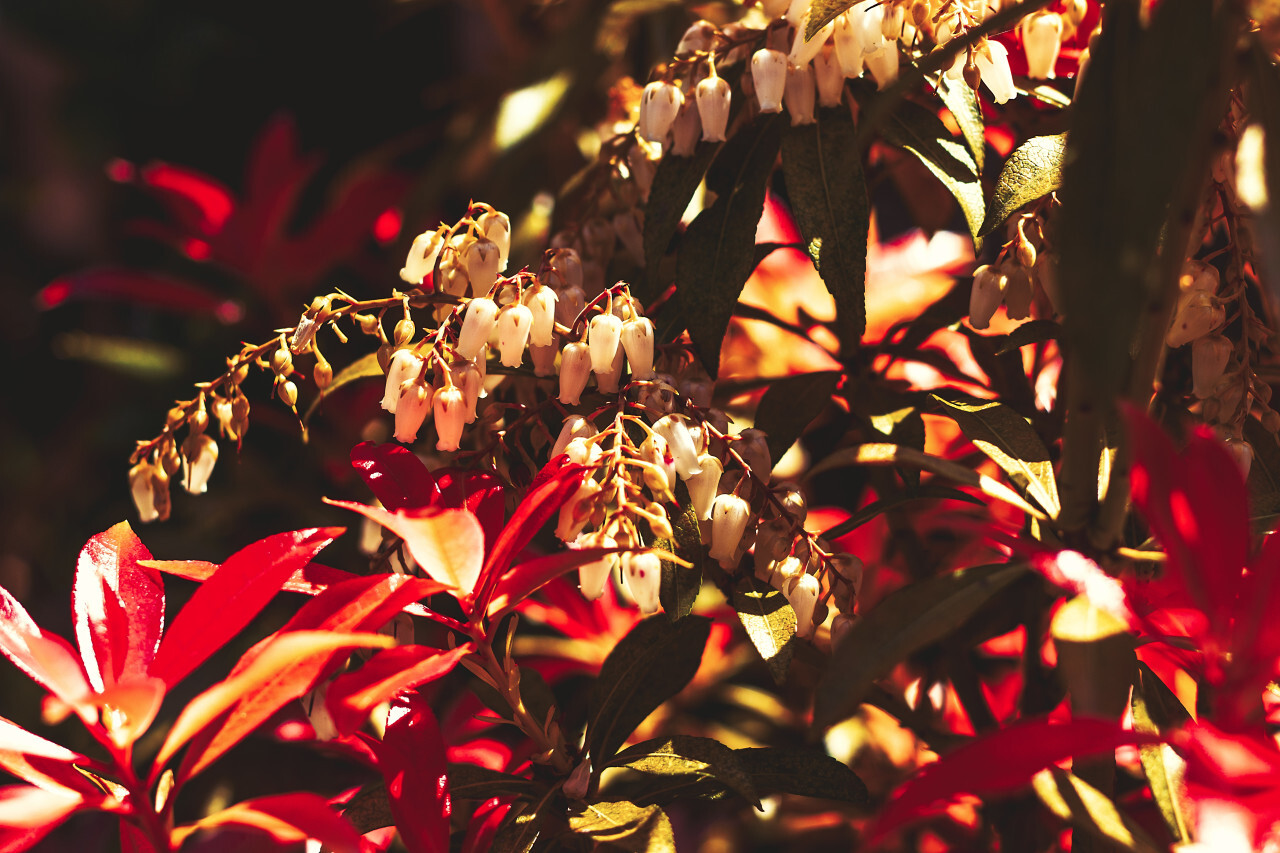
<point x="478" y="491"/>
<point x="28" y="814"/>
<point x="139" y="287"/>
<point x="447" y="544"/>
<point x="288" y="818"/>
<point x="353" y="695"/>
<point x="43" y="763"/>
<point x="412" y="761"/>
<point x="397" y="477"/>
<point x="48" y="659"/>
<point x="526" y="578"/>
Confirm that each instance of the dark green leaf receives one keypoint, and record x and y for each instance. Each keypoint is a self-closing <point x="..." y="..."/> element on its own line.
<point x="674" y="184"/>
<point x="870" y="511"/>
<point x="828" y="194"/>
<point x="1156" y="710"/>
<point x="521" y="826"/>
<point x="1010" y="442"/>
<point x="919" y="131"/>
<point x="624" y="826"/>
<point x="1034" y="332"/>
<point x="646" y="789"/>
<point x="1264" y="473"/>
<point x="680" y="586"/>
<point x="473" y="782"/>
<point x="648" y="666"/>
<point x="904" y="622"/>
<point x="823" y="12"/>
<point x="369" y="809"/>
<point x="717" y="256"/>
<point x="1033" y="170"/>
<point x="791" y="404"/>
<point x="963" y="104"/>
<point x="905" y="427"/>
<point x="1085" y="807"/>
<point x="770" y="623"/>
<point x="805" y="772"/>
<point x="683" y="755"/>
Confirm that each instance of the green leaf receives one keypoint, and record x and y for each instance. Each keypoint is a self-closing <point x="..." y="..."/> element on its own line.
<point x="906" y="427"/>
<point x="923" y="493"/>
<point x="1085" y="807"/>
<point x="828" y="193"/>
<point x="674" y="184"/>
<point x="648" y="666"/>
<point x="1033" y="332"/>
<point x="624" y="826"/>
<point x="473" y="782"/>
<point x="370" y="808"/>
<point x="823" y="12"/>
<point x="770" y="623"/>
<point x="682" y="755"/>
<point x="717" y="256"/>
<point x="904" y="622"/>
<point x="362" y="368"/>
<point x="680" y="586"/>
<point x="522" y="825"/>
<point x="790" y="405"/>
<point x="805" y="772"/>
<point x="1033" y="170"/>
<point x="1010" y="442"/>
<point x="963" y="104"/>
<point x="919" y="131"/>
<point x="1156" y="710"/>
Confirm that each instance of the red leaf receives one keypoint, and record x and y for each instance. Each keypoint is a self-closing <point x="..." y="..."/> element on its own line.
<point x="396" y="476"/>
<point x="1073" y="571"/>
<point x="139" y="287"/>
<point x="48" y="659"/>
<point x="201" y="203"/>
<point x="232" y="596"/>
<point x="412" y="761"/>
<point x="484" y="826"/>
<point x="447" y="543"/>
<point x="288" y="818"/>
<point x="1000" y="762"/>
<point x="27" y="814"/>
<point x="343" y="227"/>
<point x="1237" y="763"/>
<point x="478" y="491"/>
<point x="362" y="603"/>
<point x="118" y="607"/>
<point x="41" y="762"/>
<point x="352" y="695"/>
<point x="527" y="577"/>
<point x="134" y="840"/>
<point x="283" y="668"/>
<point x="557" y="484"/>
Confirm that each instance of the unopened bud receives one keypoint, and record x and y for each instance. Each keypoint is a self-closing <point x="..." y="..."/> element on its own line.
<point x="576" y="512"/>
<point x="660" y="477"/>
<point x="575" y="426"/>
<point x="713" y="96"/>
<point x="769" y="75"/>
<point x="288" y="393"/>
<point x="1209" y="358"/>
<point x="411" y="411"/>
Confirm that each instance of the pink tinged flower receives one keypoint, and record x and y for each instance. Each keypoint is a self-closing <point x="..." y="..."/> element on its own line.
<point x="985" y="297"/>
<point x="685" y="132"/>
<point x="1209" y="358"/>
<point x="483" y="260"/>
<point x="1042" y="39"/>
<point x="830" y="79"/>
<point x="514" y="324"/>
<point x="405" y="365"/>
<point x="637" y="342"/>
<point x="802" y="595"/>
<point x="801" y="94"/>
<point x="662" y="477"/>
<point x="803" y="52"/>
<point x="592" y="577"/>
<point x="629" y="224"/>
<point x="575" y="426"/>
<point x="769" y="76"/>
<point x="411" y="411"/>
<point x="643" y="574"/>
<point x="142" y="488"/>
<point x="1198" y="275"/>
<point x="713" y="96"/>
<point x="572" y="301"/>
<point x="659" y="105"/>
<point x="883" y="65"/>
<point x="422" y="257"/>
<point x="604" y="336"/>
<point x="541" y="301"/>
<point x="704" y="485"/>
<point x="996" y="74"/>
<point x="675" y="429"/>
<point x="576" y="512"/>
<point x="497" y="227"/>
<point x="753" y="447"/>
<point x="200" y="455"/>
<point x="848" y="47"/>
<point x="1018" y="294"/>
<point x="1242" y="452"/>
<point x="575" y="370"/>
<point x="1198" y="313"/>
<point x="610" y="381"/>
<point x="467" y="377"/>
<point x="544" y="359"/>
<point x="583" y="452"/>
<point x="450" y="415"/>
<point x="477" y="325"/>
<point x="730" y="515"/>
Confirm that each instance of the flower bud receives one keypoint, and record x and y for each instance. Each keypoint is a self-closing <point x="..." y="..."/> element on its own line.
<point x="411" y="411"/>
<point x="1197" y="315"/>
<point x="1198" y="275"/>
<point x="575" y="426"/>
<point x="643" y="574"/>
<point x="675" y="429"/>
<point x="996" y="74"/>
<point x="450" y="414"/>
<point x="576" y="512"/>
<point x="769" y="74"/>
<point x="477" y="325"/>
<point x="753" y="447"/>
<point x="985" y="297"/>
<point x="575" y="370"/>
<point x="686" y="130"/>
<point x="830" y="79"/>
<point x="604" y="336"/>
<point x="1209" y="358"/>
<point x="514" y="323"/>
<point x="497" y="227"/>
<point x="637" y="341"/>
<point x="583" y="452"/>
<point x="713" y="96"/>
<point x="141" y="487"/>
<point x="593" y="576"/>
<point x="287" y="391"/>
<point x="802" y="594"/>
<point x="800" y="94"/>
<point x="659" y="105"/>
<point x="1042" y="39"/>
<point x="199" y="454"/>
<point x="730" y="515"/>
<point x="848" y="48"/>
<point x="483" y="260"/>
<point x="422" y="257"/>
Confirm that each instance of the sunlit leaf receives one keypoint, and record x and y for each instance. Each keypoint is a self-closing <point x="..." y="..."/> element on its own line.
<point x="411" y="759"/>
<point x="872" y="510"/>
<point x="41" y="762"/>
<point x="1085" y="807"/>
<point x="963" y="103"/>
<point x="791" y="404"/>
<point x="287" y="818"/>
<point x="47" y="658"/>
<point x="447" y="543"/>
<point x="396" y="476"/>
<point x="353" y="695"/>
<point x="681" y="585"/>
<point x="674" y="184"/>
<point x="624" y="826"/>
<point x="1032" y="171"/>
<point x="806" y="772"/>
<point x="682" y="755"/>
<point x="770" y="623"/>
<point x="1156" y="710"/>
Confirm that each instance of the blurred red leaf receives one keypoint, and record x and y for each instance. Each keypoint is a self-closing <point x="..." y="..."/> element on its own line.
<point x="478" y="491"/>
<point x="28" y="814"/>
<point x="1000" y="762"/>
<point x="448" y="544"/>
<point x="484" y="826"/>
<point x="197" y="200"/>
<point x="141" y="288"/>
<point x="527" y="577"/>
<point x="352" y="695"/>
<point x="279" y="672"/>
<point x="118" y="607"/>
<point x="288" y="818"/>
<point x="412" y="761"/>
<point x="396" y="476"/>
<point x="362" y="603"/>
<point x="232" y="596"/>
